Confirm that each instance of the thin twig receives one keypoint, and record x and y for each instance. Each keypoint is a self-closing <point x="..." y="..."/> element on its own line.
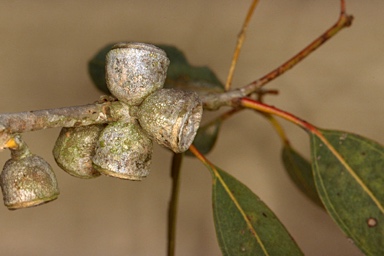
<point x="200" y="156"/>
<point x="172" y="211"/>
<point x="215" y="101"/>
<point x="278" y="128"/>
<point x="265" y="108"/>
<point x="240" y="41"/>
<point x="343" y="21"/>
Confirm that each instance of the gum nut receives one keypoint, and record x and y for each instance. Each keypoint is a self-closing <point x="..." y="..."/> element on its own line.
<point x="171" y="117"/>
<point x="123" y="151"/>
<point x="28" y="182"/>
<point x="135" y="70"/>
<point x="74" y="149"/>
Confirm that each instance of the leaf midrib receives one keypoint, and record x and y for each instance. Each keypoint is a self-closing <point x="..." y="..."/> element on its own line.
<point x="350" y="171"/>
<point x="238" y="206"/>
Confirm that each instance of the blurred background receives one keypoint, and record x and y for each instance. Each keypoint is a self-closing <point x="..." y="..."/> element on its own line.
<point x="44" y="50"/>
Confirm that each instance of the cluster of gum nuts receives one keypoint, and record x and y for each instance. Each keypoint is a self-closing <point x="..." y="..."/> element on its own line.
<point x="135" y="75"/>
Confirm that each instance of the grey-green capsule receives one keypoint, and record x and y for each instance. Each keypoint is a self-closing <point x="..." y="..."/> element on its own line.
<point x="74" y="149"/>
<point x="135" y="70"/>
<point x="123" y="151"/>
<point x="171" y="117"/>
<point x="28" y="181"/>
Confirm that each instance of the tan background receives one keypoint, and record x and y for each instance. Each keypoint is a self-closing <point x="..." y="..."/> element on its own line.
<point x="44" y="49"/>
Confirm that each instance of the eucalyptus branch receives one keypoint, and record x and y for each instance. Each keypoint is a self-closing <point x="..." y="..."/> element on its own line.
<point x="12" y="123"/>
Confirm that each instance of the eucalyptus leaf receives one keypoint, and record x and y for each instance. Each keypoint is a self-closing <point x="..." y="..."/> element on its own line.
<point x="299" y="170"/>
<point x="244" y="224"/>
<point x="181" y="74"/>
<point x="349" y="175"/>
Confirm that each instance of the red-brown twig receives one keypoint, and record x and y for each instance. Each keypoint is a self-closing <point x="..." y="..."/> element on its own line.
<point x="215" y="101"/>
<point x="264" y="108"/>
<point x="344" y="20"/>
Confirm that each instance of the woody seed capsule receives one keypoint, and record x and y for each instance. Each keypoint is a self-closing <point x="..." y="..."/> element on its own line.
<point x="74" y="149"/>
<point x="171" y="117"/>
<point x="28" y="181"/>
<point x="135" y="70"/>
<point x="123" y="151"/>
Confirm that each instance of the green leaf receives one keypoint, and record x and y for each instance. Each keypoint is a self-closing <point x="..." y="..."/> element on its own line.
<point x="181" y="74"/>
<point x="244" y="224"/>
<point x="349" y="175"/>
<point x="299" y="170"/>
<point x="206" y="137"/>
